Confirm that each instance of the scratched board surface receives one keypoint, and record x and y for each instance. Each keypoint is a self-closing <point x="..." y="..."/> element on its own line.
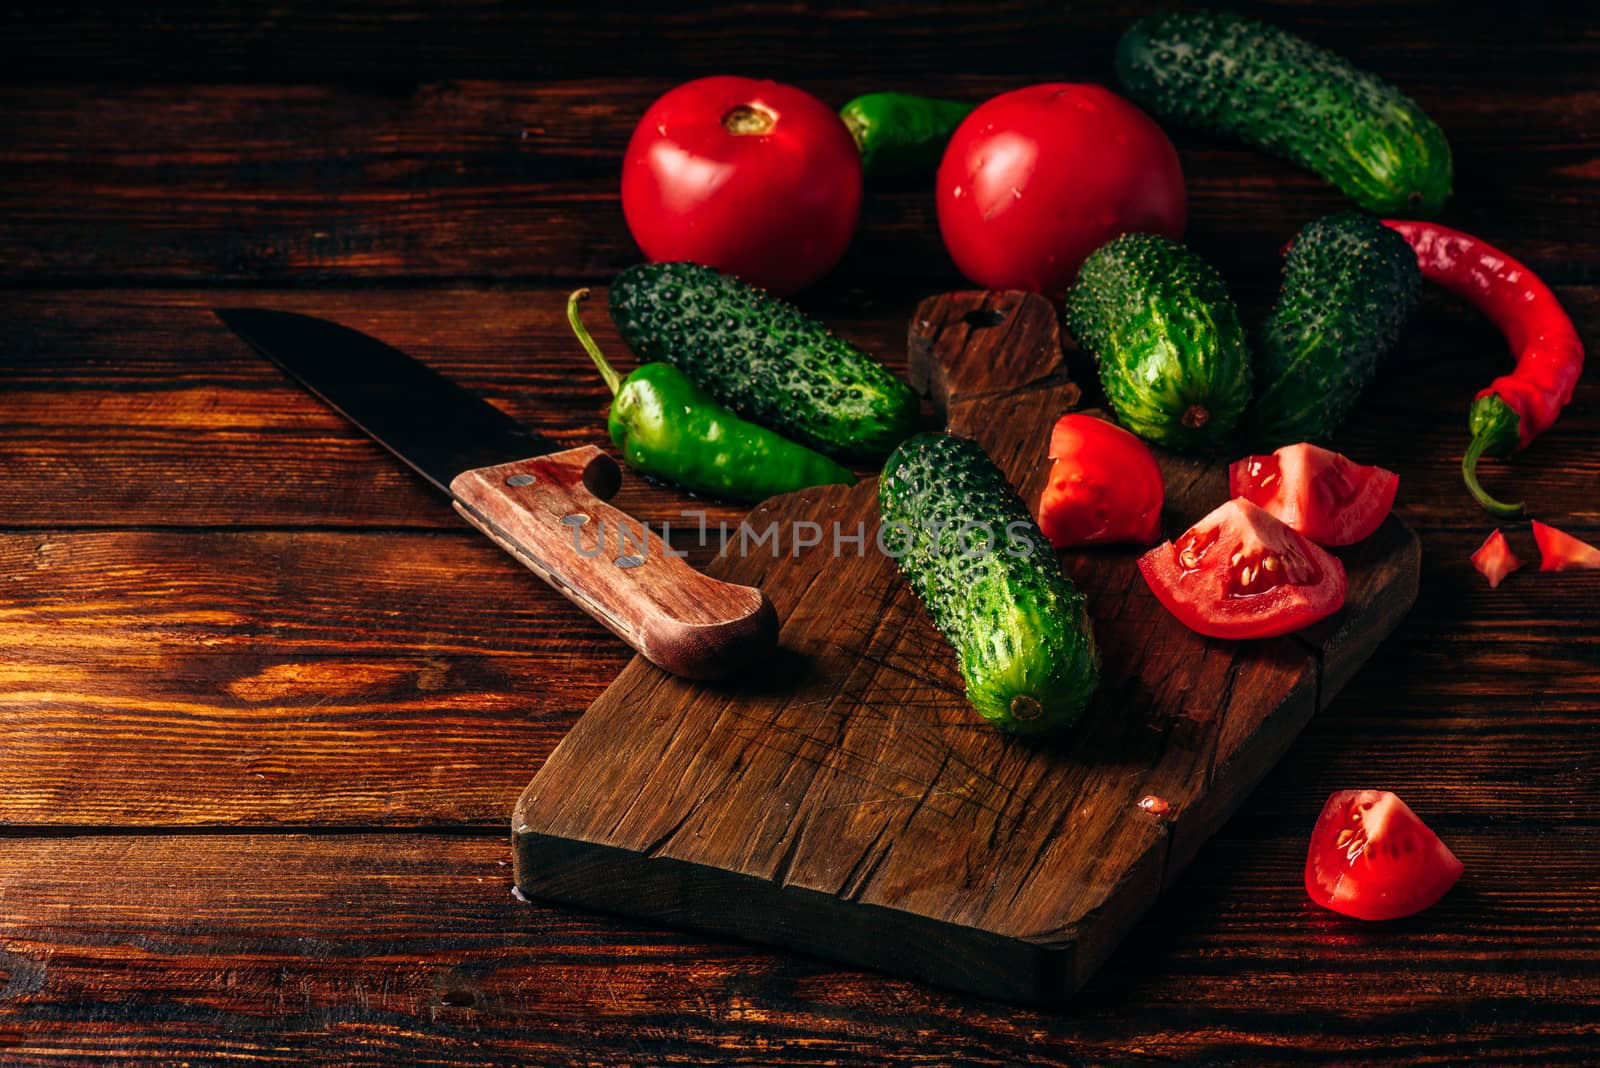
<point x="845" y="800"/>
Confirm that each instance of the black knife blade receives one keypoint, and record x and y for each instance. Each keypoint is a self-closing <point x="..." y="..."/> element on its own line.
<point x="438" y="428"/>
<point x="531" y="497"/>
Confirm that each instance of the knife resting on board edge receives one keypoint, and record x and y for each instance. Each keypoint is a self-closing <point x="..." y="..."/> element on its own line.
<point x="515" y="486"/>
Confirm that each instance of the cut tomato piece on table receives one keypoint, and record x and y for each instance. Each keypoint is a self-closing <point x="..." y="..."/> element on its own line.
<point x="1240" y="573"/>
<point x="1371" y="857"/>
<point x="1494" y="559"/>
<point x="1324" y="495"/>
<point x="1560" y="551"/>
<point x="1104" y="486"/>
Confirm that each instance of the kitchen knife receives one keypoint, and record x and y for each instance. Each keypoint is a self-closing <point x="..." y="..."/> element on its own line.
<point x="537" y="503"/>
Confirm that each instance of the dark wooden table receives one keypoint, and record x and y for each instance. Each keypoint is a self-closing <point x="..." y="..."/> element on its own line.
<point x="265" y="704"/>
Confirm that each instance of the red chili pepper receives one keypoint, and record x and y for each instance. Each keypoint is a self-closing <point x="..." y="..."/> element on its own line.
<point x="1518" y="407"/>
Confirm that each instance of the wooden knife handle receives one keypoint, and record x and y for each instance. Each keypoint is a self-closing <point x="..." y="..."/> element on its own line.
<point x="548" y="513"/>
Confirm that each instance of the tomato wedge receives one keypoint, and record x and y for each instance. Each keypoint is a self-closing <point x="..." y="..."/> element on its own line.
<point x="1239" y="573"/>
<point x="1324" y="495"/>
<point x="1372" y="858"/>
<point x="1104" y="486"/>
<point x="1560" y="551"/>
<point x="1494" y="559"/>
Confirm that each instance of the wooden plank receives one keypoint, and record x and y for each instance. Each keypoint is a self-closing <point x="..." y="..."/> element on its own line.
<point x="255" y="679"/>
<point x="366" y="948"/>
<point x="174" y="678"/>
<point x="1454" y="47"/>
<point x="205" y="433"/>
<point x="844" y="801"/>
<point x="517" y="181"/>
<point x="211" y="949"/>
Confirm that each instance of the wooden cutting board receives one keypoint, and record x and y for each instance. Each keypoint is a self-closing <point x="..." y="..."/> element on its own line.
<point x="845" y="801"/>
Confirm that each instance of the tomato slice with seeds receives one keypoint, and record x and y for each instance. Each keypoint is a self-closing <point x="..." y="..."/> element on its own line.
<point x="1371" y="857"/>
<point x="1494" y="559"/>
<point x="1560" y="551"/>
<point x="1324" y="495"/>
<point x="1239" y="573"/>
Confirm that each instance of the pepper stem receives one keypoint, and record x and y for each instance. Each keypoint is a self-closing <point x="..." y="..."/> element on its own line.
<point x="1497" y="430"/>
<point x="612" y="380"/>
<point x="1469" y="471"/>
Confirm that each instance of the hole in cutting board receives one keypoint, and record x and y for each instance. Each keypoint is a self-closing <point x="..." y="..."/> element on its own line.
<point x="984" y="317"/>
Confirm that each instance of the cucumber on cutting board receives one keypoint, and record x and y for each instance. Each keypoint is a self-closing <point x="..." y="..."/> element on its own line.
<point x="1287" y="96"/>
<point x="1166" y="335"/>
<point x="991" y="582"/>
<point x="764" y="358"/>
<point x="1349" y="285"/>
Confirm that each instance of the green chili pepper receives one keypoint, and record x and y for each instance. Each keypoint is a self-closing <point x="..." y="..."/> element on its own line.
<point x="669" y="427"/>
<point x="899" y="134"/>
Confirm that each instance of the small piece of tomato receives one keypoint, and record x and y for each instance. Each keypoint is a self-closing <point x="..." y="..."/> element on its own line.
<point x="1494" y="559"/>
<point x="1372" y="858"/>
<point x="1240" y="573"/>
<point x="1324" y="495"/>
<point x="1104" y="486"/>
<point x="1560" y="551"/>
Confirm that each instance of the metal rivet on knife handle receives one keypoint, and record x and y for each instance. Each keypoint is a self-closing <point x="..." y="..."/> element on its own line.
<point x="681" y="620"/>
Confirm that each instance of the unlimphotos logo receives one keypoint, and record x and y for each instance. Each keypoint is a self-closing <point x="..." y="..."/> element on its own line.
<point x="631" y="545"/>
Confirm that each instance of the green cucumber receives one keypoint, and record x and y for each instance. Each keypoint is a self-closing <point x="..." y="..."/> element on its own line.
<point x="1349" y="285"/>
<point x="991" y="582"/>
<point x="764" y="358"/>
<point x="1289" y="97"/>
<point x="1159" y="321"/>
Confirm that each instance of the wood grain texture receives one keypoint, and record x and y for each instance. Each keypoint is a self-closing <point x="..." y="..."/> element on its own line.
<point x="253" y="680"/>
<point x="308" y="42"/>
<point x="491" y="180"/>
<point x="206" y="433"/>
<point x="411" y="948"/>
<point x="844" y="799"/>
<point x="224" y="611"/>
<point x="280" y="679"/>
<point x="351" y="632"/>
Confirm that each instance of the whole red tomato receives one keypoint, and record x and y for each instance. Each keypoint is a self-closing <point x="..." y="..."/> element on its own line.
<point x="1036" y="179"/>
<point x="755" y="178"/>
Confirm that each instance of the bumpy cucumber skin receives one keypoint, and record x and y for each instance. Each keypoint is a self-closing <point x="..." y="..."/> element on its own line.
<point x="1349" y="285"/>
<point x="764" y="358"/>
<point x="1166" y="334"/>
<point x="1020" y="629"/>
<point x="1289" y="97"/>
